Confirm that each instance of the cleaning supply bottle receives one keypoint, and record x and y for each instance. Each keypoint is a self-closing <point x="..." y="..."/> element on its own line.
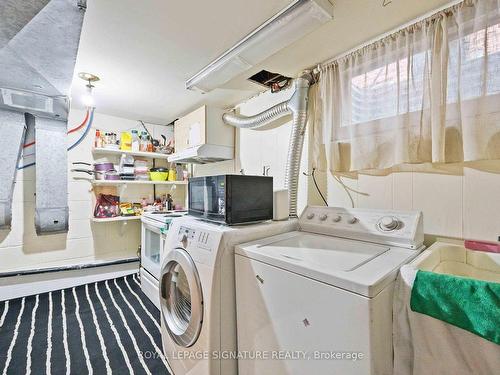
<point x="170" y="202"/>
<point x="172" y="174"/>
<point x="98" y="139"/>
<point x="143" y="146"/>
<point x="126" y="141"/>
<point x="135" y="141"/>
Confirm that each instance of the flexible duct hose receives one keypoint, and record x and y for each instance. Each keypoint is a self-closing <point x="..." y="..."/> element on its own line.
<point x="257" y="121"/>
<point x="293" y="160"/>
<point x="297" y="105"/>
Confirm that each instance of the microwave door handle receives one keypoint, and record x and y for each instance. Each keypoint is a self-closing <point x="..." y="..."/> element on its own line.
<point x="205" y="196"/>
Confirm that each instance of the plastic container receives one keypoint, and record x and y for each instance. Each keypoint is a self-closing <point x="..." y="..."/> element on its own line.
<point x="98" y="139"/>
<point x="158" y="174"/>
<point x="126" y="141"/>
<point x="172" y="174"/>
<point x="491" y="247"/>
<point x="143" y="145"/>
<point x="142" y="177"/>
<point x="135" y="141"/>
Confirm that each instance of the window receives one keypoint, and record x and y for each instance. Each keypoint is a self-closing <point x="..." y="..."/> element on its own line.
<point x="427" y="93"/>
<point x="388" y="91"/>
<point x="398" y="87"/>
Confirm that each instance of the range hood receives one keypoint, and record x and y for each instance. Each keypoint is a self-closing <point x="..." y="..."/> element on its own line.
<point x="203" y="154"/>
<point x="201" y="137"/>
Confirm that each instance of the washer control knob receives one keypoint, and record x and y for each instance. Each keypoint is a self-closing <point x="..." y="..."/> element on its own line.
<point x="336" y="218"/>
<point x="184" y="240"/>
<point x="323" y="217"/>
<point x="352" y="219"/>
<point x="388" y="223"/>
<point x="310" y="215"/>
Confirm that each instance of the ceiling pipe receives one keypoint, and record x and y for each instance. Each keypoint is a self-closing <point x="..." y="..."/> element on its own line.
<point x="297" y="106"/>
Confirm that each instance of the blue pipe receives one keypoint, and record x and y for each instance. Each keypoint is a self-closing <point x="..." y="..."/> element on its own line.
<point x="84" y="134"/>
<point x="82" y="137"/>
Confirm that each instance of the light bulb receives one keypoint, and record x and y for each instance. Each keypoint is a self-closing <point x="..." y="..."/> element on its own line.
<point x="88" y="98"/>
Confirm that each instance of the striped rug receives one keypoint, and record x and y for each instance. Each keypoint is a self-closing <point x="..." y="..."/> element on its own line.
<point x="101" y="328"/>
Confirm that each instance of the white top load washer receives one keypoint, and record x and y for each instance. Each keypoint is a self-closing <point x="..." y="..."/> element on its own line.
<point x="197" y="293"/>
<point x="319" y="300"/>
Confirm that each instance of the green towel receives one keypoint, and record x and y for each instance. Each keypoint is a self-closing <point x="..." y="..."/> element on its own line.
<point x="473" y="305"/>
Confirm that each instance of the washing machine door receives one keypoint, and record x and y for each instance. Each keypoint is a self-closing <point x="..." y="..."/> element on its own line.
<point x="181" y="298"/>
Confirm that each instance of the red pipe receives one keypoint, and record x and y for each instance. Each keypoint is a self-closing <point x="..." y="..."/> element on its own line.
<point x="69" y="131"/>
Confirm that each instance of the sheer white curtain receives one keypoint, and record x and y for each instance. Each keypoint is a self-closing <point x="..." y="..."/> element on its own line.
<point x="428" y="93"/>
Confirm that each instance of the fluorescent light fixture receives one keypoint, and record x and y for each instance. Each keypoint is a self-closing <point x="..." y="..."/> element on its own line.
<point x="289" y="25"/>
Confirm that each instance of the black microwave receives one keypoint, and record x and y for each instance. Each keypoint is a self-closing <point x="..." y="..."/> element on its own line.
<point x="231" y="199"/>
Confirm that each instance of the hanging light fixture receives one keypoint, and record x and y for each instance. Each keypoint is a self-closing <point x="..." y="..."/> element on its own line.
<point x="88" y="98"/>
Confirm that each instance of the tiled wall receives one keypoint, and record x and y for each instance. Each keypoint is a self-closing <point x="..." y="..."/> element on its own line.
<point x="459" y="201"/>
<point x="86" y="241"/>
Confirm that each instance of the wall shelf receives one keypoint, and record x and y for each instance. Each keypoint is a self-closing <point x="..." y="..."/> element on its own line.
<point x="112" y="219"/>
<point x="134" y="182"/>
<point x="146" y="155"/>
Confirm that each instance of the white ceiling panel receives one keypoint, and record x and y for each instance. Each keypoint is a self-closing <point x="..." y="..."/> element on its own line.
<point x="144" y="51"/>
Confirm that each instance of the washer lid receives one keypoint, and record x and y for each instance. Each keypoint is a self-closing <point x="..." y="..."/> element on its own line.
<point x="361" y="267"/>
<point x="323" y="252"/>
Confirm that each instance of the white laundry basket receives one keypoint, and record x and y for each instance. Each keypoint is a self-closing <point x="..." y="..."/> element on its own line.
<point x="426" y="345"/>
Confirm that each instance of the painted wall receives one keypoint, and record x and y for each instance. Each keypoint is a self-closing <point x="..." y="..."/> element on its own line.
<point x="86" y="241"/>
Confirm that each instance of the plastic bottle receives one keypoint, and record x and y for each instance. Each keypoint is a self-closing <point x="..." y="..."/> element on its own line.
<point x="170" y="202"/>
<point x="150" y="145"/>
<point x="98" y="139"/>
<point x="172" y="175"/>
<point x="135" y="141"/>
<point x="126" y="141"/>
<point x="144" y="142"/>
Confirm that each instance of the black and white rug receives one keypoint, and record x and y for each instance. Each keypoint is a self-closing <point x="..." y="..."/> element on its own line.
<point x="100" y="328"/>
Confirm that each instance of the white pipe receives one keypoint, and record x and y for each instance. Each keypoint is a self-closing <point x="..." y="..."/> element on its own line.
<point x="297" y="105"/>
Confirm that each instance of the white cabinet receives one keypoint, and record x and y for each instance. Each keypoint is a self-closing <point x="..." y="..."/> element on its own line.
<point x="268" y="150"/>
<point x="202" y="126"/>
<point x="251" y="151"/>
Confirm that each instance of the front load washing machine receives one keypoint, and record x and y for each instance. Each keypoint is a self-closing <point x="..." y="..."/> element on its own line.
<point x="197" y="293"/>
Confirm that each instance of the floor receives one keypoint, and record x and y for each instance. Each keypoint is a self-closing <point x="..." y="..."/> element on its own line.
<point x="105" y="327"/>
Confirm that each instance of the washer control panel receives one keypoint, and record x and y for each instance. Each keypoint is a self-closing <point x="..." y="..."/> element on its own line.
<point x="189" y="237"/>
<point x="390" y="227"/>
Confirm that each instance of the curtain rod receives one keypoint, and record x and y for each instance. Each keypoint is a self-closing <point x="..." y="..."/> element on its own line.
<point x="388" y="33"/>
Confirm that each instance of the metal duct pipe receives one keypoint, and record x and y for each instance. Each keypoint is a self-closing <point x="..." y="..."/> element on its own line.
<point x="38" y="47"/>
<point x="13" y="127"/>
<point x="257" y="121"/>
<point x="297" y="106"/>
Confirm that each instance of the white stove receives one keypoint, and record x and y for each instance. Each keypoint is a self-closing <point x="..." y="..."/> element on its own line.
<point x="155" y="226"/>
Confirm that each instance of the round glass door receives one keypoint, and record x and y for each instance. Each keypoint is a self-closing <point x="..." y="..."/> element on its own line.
<point x="181" y="298"/>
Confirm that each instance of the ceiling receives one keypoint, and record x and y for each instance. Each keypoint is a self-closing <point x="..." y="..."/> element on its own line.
<point x="144" y="51"/>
